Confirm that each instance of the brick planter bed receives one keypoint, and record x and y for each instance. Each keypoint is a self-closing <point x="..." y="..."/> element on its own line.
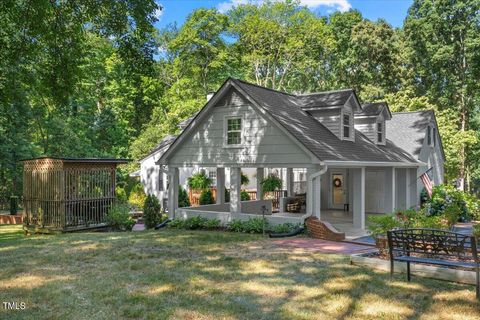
<point x="323" y="230"/>
<point x="11" y="219"/>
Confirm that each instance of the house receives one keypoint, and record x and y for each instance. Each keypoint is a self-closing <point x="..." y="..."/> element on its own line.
<point x="357" y="159"/>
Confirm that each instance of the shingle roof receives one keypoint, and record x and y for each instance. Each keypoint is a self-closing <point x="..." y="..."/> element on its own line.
<point x="407" y="129"/>
<point x="287" y="110"/>
<point x="374" y="109"/>
<point x="167" y="141"/>
<point x="325" y="99"/>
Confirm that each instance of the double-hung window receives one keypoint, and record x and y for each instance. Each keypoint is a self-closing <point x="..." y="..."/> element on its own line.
<point x="346" y="125"/>
<point x="379" y="132"/>
<point x="429" y="135"/>
<point x="234" y="131"/>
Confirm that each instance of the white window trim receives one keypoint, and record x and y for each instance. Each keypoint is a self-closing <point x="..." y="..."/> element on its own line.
<point x="383" y="142"/>
<point x="352" y="126"/>
<point x="225" y="131"/>
<point x="430" y="130"/>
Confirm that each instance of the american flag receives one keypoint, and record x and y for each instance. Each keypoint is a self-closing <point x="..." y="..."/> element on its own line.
<point x="427" y="181"/>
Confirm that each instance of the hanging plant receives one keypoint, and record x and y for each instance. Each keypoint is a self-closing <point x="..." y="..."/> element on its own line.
<point x="199" y="181"/>
<point x="271" y="183"/>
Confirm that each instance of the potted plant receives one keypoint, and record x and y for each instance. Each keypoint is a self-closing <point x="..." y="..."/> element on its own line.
<point x="378" y="227"/>
<point x="271" y="183"/>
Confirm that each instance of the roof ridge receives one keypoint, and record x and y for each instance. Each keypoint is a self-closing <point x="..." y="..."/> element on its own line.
<point x="261" y="87"/>
<point x="418" y="111"/>
<point x="323" y="92"/>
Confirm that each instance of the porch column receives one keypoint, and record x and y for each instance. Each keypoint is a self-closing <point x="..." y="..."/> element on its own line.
<point x="310" y="191"/>
<point x="289" y="182"/>
<point x="390" y="191"/>
<point x="260" y="177"/>
<point x="359" y="198"/>
<point x="173" y="175"/>
<point x="235" y="185"/>
<point x="220" y="185"/>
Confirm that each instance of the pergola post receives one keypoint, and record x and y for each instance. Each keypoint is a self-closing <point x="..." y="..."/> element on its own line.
<point x="359" y="198"/>
<point x="173" y="174"/>
<point x="220" y="185"/>
<point x="235" y="185"/>
<point x="260" y="177"/>
<point x="289" y="182"/>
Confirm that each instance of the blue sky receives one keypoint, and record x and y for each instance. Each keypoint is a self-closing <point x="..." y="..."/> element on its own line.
<point x="393" y="11"/>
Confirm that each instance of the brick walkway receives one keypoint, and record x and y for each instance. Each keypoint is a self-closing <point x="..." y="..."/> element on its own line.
<point x="138" y="227"/>
<point x="322" y="246"/>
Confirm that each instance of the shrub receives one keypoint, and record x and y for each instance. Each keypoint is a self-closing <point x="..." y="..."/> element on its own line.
<point x="212" y="224"/>
<point x="151" y="212"/>
<point x="285" y="227"/>
<point x="379" y="225"/>
<point x="271" y="183"/>
<point x="199" y="181"/>
<point x="244" y="196"/>
<point x="121" y="194"/>
<point x="176" y="224"/>
<point x="194" y="223"/>
<point x="137" y="196"/>
<point x="244" y="179"/>
<point x="254" y="225"/>
<point x="444" y="196"/>
<point x="119" y="218"/>
<point x="476" y="230"/>
<point x="183" y="200"/>
<point x="206" y="197"/>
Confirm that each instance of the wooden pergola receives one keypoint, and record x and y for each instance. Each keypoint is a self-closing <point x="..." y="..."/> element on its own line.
<point x="67" y="194"/>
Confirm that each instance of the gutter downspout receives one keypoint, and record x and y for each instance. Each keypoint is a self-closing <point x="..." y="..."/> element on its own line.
<point x="310" y="183"/>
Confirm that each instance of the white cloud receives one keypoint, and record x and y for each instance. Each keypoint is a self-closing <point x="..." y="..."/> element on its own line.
<point x="340" y="5"/>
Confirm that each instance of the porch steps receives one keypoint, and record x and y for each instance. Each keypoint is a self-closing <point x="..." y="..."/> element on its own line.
<point x="323" y="230"/>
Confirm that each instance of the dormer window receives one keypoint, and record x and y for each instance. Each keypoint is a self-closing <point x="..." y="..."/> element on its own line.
<point x="379" y="132"/>
<point x="346" y="124"/>
<point x="434" y="136"/>
<point x="429" y="135"/>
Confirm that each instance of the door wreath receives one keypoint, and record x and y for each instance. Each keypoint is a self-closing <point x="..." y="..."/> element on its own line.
<point x="337" y="182"/>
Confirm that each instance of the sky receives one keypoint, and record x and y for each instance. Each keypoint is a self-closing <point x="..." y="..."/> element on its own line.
<point x="393" y="11"/>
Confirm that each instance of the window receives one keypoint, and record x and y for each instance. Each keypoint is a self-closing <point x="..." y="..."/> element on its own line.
<point x="234" y="131"/>
<point x="346" y="125"/>
<point x="379" y="132"/>
<point x="434" y="136"/>
<point x="213" y="175"/>
<point x="160" y="181"/>
<point x="429" y="135"/>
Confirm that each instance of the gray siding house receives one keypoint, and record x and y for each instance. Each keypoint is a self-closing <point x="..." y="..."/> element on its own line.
<point x="357" y="159"/>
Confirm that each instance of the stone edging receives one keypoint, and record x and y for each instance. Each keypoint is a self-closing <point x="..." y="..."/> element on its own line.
<point x="416" y="270"/>
<point x="11" y="219"/>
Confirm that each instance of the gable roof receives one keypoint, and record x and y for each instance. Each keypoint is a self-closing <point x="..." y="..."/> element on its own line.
<point x="374" y="109"/>
<point x="286" y="111"/>
<point x="166" y="142"/>
<point x="325" y="99"/>
<point x="407" y="130"/>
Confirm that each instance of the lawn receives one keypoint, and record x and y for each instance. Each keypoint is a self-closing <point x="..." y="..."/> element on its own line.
<point x="205" y="275"/>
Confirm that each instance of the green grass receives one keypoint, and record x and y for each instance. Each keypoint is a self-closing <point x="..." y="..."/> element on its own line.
<point x="174" y="274"/>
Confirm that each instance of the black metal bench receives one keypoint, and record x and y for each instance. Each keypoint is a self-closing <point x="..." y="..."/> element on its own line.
<point x="436" y="247"/>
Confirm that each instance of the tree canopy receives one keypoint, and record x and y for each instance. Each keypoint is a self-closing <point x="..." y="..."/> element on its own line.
<point x="97" y="79"/>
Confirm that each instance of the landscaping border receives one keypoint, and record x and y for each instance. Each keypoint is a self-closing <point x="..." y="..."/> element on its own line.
<point x="11" y="219"/>
<point x="420" y="270"/>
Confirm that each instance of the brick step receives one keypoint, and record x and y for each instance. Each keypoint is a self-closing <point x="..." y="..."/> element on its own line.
<point x="323" y="230"/>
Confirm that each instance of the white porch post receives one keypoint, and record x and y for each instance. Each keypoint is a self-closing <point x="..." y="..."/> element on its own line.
<point x="260" y="177"/>
<point x="310" y="192"/>
<point x="390" y="191"/>
<point x="220" y="185"/>
<point x="359" y="198"/>
<point x="173" y="175"/>
<point x="235" y="185"/>
<point x="317" y="196"/>
<point x="289" y="182"/>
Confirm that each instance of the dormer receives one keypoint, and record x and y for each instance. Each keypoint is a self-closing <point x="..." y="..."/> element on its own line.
<point x="335" y="110"/>
<point x="371" y="121"/>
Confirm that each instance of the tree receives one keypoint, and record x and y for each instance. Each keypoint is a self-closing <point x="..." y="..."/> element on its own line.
<point x="444" y="39"/>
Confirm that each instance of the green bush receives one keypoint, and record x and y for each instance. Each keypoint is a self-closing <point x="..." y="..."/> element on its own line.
<point x="194" y="223"/>
<point x="118" y="218"/>
<point x="206" y="197"/>
<point x="254" y="225"/>
<point x="199" y="181"/>
<point x="285" y="227"/>
<point x="151" y="212"/>
<point x="13" y="205"/>
<point x="244" y="196"/>
<point x="476" y="230"/>
<point x="183" y="200"/>
<point x="121" y="194"/>
<point x="379" y="225"/>
<point x="271" y="183"/>
<point x="444" y="196"/>
<point x="244" y="180"/>
<point x="137" y="196"/>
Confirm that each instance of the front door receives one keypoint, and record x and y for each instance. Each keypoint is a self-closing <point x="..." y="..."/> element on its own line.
<point x="338" y="190"/>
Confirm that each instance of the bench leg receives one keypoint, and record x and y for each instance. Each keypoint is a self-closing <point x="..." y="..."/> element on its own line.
<point x="478" y="284"/>
<point x="408" y="271"/>
<point x="392" y="268"/>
